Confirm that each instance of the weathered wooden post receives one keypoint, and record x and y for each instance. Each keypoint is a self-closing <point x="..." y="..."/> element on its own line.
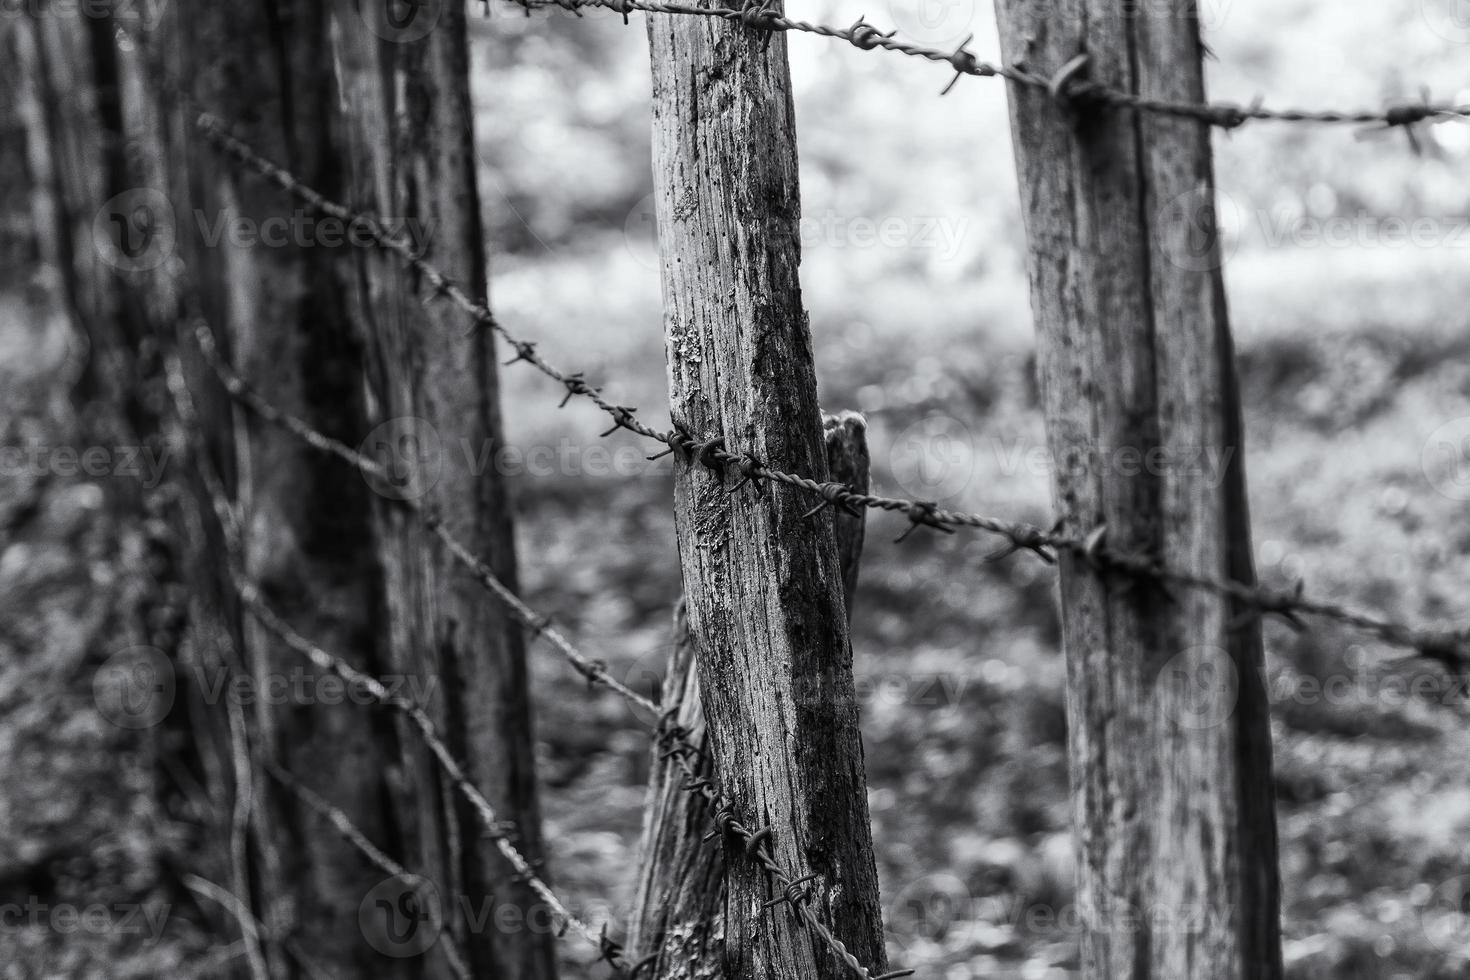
<point x="1169" y="735"/>
<point x="433" y="384"/>
<point x="761" y="582"/>
<point x="680" y="910"/>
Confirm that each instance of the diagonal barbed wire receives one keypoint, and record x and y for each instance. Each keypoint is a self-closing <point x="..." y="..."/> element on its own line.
<point x="1067" y="84"/>
<point x="672" y="741"/>
<point x="500" y="832"/>
<point x="375" y="855"/>
<point x="594" y="670"/>
<point x="791" y="890"/>
<point x="1449" y="647"/>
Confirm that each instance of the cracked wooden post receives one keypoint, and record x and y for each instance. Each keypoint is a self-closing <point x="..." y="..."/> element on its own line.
<point x="1169" y="730"/>
<point x="679" y="914"/>
<point x="762" y="583"/>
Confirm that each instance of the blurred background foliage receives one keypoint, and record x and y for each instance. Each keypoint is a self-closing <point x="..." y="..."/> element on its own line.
<point x="1351" y="355"/>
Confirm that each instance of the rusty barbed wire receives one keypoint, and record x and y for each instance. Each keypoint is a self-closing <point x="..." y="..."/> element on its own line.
<point x="672" y="741"/>
<point x="1067" y="84"/>
<point x="1449" y="647"/>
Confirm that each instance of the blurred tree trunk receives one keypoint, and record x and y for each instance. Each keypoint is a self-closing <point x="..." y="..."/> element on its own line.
<point x="434" y="392"/>
<point x="279" y="306"/>
<point x="19" y="247"/>
<point x="1169" y="729"/>
<point x="679" y="913"/>
<point x="84" y="151"/>
<point x="315" y="323"/>
<point x="761" y="583"/>
<point x="143" y="202"/>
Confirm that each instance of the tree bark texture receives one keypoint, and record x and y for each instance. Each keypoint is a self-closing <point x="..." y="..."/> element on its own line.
<point x="278" y="306"/>
<point x="761" y="583"/>
<point x="680" y="909"/>
<point x="434" y="405"/>
<point x="1169" y="732"/>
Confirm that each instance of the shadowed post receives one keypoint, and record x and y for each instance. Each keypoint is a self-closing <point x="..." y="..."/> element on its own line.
<point x="1168" y="727"/>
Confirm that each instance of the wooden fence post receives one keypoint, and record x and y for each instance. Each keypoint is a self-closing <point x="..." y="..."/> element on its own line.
<point x="761" y="582"/>
<point x="1169" y="731"/>
<point x="680" y="910"/>
<point x="433" y="383"/>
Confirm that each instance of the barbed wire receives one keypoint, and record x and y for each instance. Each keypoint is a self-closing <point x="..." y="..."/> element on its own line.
<point x="1449" y="647"/>
<point x="1067" y="84"/>
<point x="375" y="855"/>
<point x="756" y="844"/>
<point x="498" y="831"/>
<point x="793" y="891"/>
<point x="673" y="741"/>
<point x="594" y="670"/>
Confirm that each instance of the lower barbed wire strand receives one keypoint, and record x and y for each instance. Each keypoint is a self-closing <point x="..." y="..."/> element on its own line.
<point x="595" y="670"/>
<point x="255" y="604"/>
<point x="354" y="835"/>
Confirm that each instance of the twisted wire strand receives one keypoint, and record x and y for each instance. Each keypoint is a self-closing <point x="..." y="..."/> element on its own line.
<point x="1450" y="647"/>
<point x="673" y="741"/>
<point x="359" y="840"/>
<point x="595" y="671"/>
<point x="792" y="890"/>
<point x="499" y="831"/>
<point x="1066" y="85"/>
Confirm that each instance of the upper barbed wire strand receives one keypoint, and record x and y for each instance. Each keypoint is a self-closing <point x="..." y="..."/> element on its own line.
<point x="1066" y="83"/>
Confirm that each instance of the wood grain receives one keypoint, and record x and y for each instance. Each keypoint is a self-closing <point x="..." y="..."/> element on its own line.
<point x="1169" y="735"/>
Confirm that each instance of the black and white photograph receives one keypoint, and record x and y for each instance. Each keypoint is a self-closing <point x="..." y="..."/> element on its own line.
<point x="734" y="490"/>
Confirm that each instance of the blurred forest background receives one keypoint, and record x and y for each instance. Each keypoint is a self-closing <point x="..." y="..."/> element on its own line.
<point x="1353" y="352"/>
